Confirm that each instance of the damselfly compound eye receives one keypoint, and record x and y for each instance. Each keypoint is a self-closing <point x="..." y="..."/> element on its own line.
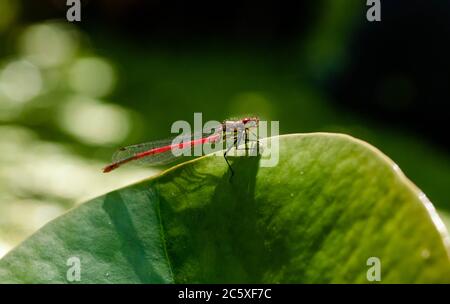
<point x="250" y="121"/>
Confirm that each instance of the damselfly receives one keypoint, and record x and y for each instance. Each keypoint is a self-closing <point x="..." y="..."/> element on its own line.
<point x="231" y="132"/>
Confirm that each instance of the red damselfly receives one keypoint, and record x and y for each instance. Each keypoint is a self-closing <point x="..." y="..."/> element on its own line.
<point x="232" y="132"/>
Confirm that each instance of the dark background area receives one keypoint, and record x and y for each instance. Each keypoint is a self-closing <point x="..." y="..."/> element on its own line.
<point x="129" y="69"/>
<point x="397" y="70"/>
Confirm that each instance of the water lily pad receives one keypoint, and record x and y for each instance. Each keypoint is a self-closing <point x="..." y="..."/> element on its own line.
<point x="330" y="204"/>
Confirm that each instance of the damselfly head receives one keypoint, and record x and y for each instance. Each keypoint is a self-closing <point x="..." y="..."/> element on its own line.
<point x="250" y="121"/>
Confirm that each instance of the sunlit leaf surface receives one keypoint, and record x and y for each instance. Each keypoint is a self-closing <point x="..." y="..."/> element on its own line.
<point x="330" y="204"/>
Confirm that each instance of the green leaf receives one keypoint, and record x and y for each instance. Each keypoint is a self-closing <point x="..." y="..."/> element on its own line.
<point x="330" y="204"/>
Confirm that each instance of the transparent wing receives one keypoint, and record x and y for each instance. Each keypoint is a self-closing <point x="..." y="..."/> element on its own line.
<point x="132" y="151"/>
<point x="160" y="152"/>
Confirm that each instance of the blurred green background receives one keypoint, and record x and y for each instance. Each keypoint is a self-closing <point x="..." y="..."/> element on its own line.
<point x="70" y="93"/>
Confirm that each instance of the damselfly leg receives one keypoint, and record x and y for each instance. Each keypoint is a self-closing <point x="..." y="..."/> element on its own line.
<point x="236" y="141"/>
<point x="238" y="136"/>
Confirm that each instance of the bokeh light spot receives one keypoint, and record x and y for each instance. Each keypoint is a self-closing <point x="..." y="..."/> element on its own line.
<point x="20" y="81"/>
<point x="94" y="122"/>
<point x="49" y="44"/>
<point x="249" y="103"/>
<point x="92" y="76"/>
